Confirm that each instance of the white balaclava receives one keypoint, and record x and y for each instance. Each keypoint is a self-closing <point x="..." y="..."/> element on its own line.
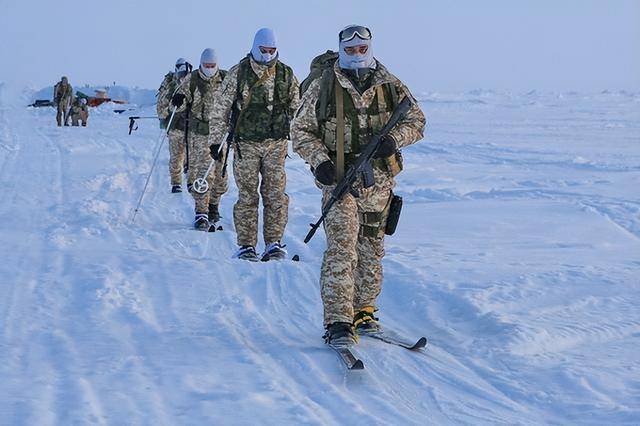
<point x="265" y="37"/>
<point x="357" y="61"/>
<point x="208" y="57"/>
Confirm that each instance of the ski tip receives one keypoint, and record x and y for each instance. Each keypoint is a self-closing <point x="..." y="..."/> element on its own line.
<point x="358" y="365"/>
<point x="421" y="343"/>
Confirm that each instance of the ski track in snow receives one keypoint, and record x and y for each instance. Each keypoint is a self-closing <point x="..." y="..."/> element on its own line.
<point x="517" y="256"/>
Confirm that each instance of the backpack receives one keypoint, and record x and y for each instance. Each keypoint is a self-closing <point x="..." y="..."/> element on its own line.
<point x="318" y="65"/>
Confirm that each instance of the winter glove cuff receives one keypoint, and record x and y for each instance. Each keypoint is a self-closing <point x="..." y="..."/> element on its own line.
<point x="325" y="173"/>
<point x="387" y="147"/>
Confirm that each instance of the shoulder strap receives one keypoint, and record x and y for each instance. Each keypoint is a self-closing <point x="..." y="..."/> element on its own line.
<point x="326" y="92"/>
<point x="339" y="131"/>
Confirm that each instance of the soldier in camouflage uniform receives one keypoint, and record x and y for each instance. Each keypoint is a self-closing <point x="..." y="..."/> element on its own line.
<point x="176" y="133"/>
<point x="258" y="98"/>
<point x="351" y="274"/>
<point x="79" y="112"/>
<point x="62" y="97"/>
<point x="197" y="96"/>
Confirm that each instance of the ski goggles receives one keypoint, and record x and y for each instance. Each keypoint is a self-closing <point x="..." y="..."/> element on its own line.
<point x="349" y="33"/>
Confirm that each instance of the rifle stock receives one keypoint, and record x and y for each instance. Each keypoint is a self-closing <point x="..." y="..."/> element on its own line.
<point x="362" y="166"/>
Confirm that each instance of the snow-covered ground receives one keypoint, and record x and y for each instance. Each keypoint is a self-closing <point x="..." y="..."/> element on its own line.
<point x="517" y="255"/>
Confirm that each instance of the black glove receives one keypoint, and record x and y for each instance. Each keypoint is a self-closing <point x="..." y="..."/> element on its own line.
<point x="386" y="147"/>
<point x="214" y="151"/>
<point x="177" y="100"/>
<point x="325" y="173"/>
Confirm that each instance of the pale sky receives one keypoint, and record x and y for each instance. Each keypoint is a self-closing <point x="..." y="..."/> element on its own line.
<point x="559" y="45"/>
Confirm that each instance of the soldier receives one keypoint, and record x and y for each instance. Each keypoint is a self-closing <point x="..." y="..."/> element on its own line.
<point x="79" y="112"/>
<point x="196" y="96"/>
<point x="176" y="133"/>
<point x="259" y="96"/>
<point x="350" y="101"/>
<point x="62" y="97"/>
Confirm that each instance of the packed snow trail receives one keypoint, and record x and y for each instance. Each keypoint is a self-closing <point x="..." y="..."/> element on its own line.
<point x="517" y="255"/>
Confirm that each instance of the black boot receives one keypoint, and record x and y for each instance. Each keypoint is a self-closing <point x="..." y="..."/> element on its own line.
<point x="201" y="223"/>
<point x="365" y="322"/>
<point x="176" y="189"/>
<point x="247" y="253"/>
<point x="214" y="214"/>
<point x="274" y="251"/>
<point x="340" y="334"/>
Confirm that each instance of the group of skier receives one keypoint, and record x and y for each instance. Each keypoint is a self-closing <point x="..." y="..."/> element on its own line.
<point x="69" y="106"/>
<point x="255" y="108"/>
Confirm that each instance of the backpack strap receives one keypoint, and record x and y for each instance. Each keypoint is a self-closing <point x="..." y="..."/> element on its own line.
<point x="326" y="94"/>
<point x="339" y="130"/>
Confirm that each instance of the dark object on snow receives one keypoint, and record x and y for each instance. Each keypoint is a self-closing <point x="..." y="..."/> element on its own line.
<point x="42" y="103"/>
<point x="132" y="122"/>
<point x="362" y="166"/>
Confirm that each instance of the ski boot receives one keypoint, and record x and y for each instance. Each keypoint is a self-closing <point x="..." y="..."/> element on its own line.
<point x="364" y="321"/>
<point x="274" y="251"/>
<point x="340" y="334"/>
<point x="247" y="253"/>
<point x="201" y="223"/>
<point x="176" y="189"/>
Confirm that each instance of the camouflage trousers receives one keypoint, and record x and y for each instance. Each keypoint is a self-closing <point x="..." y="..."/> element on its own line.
<point x="80" y="117"/>
<point x="260" y="164"/>
<point x="199" y="160"/>
<point x="176" y="156"/>
<point x="351" y="273"/>
<point x="63" y="112"/>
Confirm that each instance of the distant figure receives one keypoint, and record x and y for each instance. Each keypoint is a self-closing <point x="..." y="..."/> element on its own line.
<point x="79" y="112"/>
<point x="177" y="148"/>
<point x="62" y="97"/>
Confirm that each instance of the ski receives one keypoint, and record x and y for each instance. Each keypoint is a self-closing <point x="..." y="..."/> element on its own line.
<point x="348" y="358"/>
<point x="394" y="338"/>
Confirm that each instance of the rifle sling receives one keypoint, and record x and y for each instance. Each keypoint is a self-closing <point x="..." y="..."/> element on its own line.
<point x="339" y="132"/>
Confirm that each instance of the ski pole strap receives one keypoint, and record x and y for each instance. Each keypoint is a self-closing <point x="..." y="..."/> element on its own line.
<point x="339" y="132"/>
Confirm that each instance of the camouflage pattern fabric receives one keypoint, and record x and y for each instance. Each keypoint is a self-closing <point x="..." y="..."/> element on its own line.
<point x="62" y="96"/>
<point x="199" y="160"/>
<point x="351" y="274"/>
<point x="219" y="113"/>
<point x="167" y="87"/>
<point x="176" y="156"/>
<point x="199" y="152"/>
<point x="79" y="113"/>
<point x="251" y="161"/>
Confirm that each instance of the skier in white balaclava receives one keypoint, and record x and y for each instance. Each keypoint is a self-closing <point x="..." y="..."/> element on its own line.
<point x="265" y="46"/>
<point x="208" y="62"/>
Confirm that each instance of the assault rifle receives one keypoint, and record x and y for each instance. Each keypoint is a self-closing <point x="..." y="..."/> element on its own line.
<point x="362" y="166"/>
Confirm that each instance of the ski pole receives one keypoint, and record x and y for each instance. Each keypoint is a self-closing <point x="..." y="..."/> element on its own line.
<point x="155" y="159"/>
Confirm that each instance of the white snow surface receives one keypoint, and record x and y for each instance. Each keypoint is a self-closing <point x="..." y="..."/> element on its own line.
<point x="517" y="255"/>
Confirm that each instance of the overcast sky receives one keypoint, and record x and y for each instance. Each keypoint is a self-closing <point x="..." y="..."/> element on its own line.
<point x="581" y="45"/>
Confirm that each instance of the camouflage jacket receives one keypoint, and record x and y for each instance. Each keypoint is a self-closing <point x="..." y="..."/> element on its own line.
<point x="220" y="117"/>
<point x="201" y="96"/>
<point x="312" y="138"/>
<point x="62" y="92"/>
<point x="77" y="107"/>
<point x="163" y="105"/>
